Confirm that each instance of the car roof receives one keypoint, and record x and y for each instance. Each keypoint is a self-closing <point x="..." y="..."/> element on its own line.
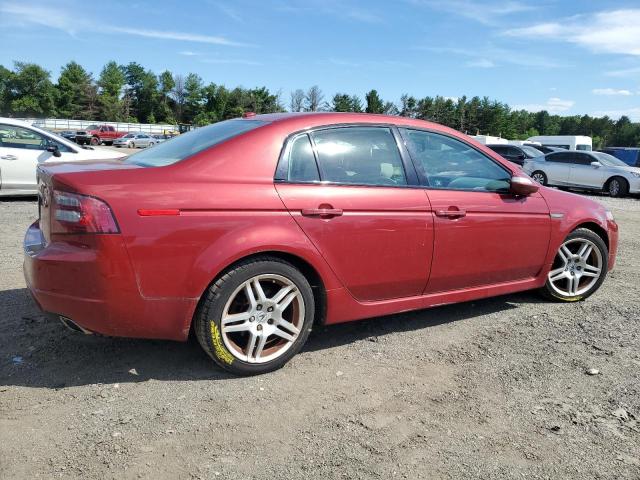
<point x="302" y="120"/>
<point x="15" y="121"/>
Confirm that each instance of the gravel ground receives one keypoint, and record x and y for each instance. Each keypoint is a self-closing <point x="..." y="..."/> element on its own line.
<point x="490" y="389"/>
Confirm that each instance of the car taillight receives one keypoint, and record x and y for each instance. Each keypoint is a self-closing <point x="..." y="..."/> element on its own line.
<point x="75" y="213"/>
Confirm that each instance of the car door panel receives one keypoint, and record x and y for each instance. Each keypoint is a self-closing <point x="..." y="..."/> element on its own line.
<point x="557" y="168"/>
<point x="483" y="234"/>
<point x="379" y="245"/>
<point x="500" y="238"/>
<point x="583" y="174"/>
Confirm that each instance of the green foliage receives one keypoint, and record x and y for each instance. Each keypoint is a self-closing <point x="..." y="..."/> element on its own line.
<point x="130" y="93"/>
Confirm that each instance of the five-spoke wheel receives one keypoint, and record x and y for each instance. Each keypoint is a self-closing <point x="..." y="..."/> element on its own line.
<point x="256" y="316"/>
<point x="579" y="266"/>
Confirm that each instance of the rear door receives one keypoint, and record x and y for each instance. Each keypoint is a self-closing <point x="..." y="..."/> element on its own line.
<point x="21" y="149"/>
<point x="557" y="167"/>
<point x="355" y="196"/>
<point x="484" y="235"/>
<point x="583" y="174"/>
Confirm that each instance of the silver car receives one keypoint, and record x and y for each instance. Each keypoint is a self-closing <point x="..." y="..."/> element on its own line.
<point x="135" y="140"/>
<point x="585" y="170"/>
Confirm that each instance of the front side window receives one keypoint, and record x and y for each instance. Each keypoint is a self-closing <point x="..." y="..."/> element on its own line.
<point x="13" y="136"/>
<point x="451" y="164"/>
<point x="195" y="141"/>
<point x="359" y="156"/>
<point x="586" y="148"/>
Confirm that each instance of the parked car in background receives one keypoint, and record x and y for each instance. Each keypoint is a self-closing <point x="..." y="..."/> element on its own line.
<point x="545" y="149"/>
<point x="160" y="137"/>
<point x="629" y="155"/>
<point x="23" y="147"/>
<point x="68" y="134"/>
<point x="585" y="170"/>
<point x="568" y="142"/>
<point x="97" y="135"/>
<point x="135" y="140"/>
<point x="247" y="232"/>
<point x="516" y="153"/>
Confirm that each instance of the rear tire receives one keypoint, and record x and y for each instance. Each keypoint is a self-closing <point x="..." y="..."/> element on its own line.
<point x="95" y="141"/>
<point x="251" y="329"/>
<point x="132" y="145"/>
<point x="539" y="177"/>
<point x="617" y="187"/>
<point x="579" y="267"/>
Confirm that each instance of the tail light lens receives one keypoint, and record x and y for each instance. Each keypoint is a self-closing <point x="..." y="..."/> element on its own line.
<point x="75" y="213"/>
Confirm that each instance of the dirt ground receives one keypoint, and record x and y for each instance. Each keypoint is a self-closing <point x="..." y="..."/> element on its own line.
<point x="491" y="389"/>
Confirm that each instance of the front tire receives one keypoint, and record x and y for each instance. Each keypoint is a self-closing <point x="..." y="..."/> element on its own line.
<point x="255" y="317"/>
<point x="617" y="187"/>
<point x="539" y="177"/>
<point x="95" y="141"/>
<point x="579" y="268"/>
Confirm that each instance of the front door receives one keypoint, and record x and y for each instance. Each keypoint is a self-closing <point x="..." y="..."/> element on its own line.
<point x="583" y="174"/>
<point x="483" y="234"/>
<point x="348" y="191"/>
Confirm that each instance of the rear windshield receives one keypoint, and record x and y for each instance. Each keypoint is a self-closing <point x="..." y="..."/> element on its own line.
<point x="187" y="144"/>
<point x="531" y="151"/>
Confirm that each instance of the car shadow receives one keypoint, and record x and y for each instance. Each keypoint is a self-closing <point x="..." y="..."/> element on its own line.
<point x="39" y="352"/>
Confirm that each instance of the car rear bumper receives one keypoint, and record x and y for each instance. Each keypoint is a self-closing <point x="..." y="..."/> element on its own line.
<point x="96" y="289"/>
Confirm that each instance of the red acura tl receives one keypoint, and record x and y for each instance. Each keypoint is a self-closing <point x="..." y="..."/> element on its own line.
<point x="249" y="231"/>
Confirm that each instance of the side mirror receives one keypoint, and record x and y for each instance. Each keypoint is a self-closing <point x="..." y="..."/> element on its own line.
<point x="523" y="186"/>
<point x="54" y="150"/>
<point x="596" y="164"/>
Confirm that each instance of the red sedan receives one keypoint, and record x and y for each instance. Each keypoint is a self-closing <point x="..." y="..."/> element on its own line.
<point x="249" y="231"/>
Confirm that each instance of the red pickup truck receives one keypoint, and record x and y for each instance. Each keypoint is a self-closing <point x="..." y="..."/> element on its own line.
<point x="98" y="134"/>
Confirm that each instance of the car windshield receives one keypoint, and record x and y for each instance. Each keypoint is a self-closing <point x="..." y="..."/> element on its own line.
<point x="92" y="127"/>
<point x="129" y="135"/>
<point x="531" y="151"/>
<point x="185" y="145"/>
<point x="609" y="160"/>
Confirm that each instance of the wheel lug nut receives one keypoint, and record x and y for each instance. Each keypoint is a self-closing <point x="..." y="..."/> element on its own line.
<point x="251" y="319"/>
<point x="259" y="307"/>
<point x="270" y="309"/>
<point x="270" y="321"/>
<point x="259" y="327"/>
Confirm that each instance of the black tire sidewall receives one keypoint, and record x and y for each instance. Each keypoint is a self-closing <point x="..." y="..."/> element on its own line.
<point x="600" y="244"/>
<point x="209" y="321"/>
<point x="622" y="190"/>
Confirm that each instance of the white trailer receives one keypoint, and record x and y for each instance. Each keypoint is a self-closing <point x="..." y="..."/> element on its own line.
<point x="569" y="142"/>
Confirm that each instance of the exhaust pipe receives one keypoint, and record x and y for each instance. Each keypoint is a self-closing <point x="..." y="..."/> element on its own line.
<point x="73" y="326"/>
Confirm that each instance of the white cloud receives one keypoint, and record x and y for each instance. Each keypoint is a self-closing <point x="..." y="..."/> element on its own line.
<point x="488" y="13"/>
<point x="611" y="92"/>
<point x="632" y="113"/>
<point x="231" y="61"/>
<point x="490" y="56"/>
<point x="603" y="32"/>
<point x="188" y="53"/>
<point x="481" y="63"/>
<point x="553" y="105"/>
<point x="56" y="18"/>
<point x="625" y="72"/>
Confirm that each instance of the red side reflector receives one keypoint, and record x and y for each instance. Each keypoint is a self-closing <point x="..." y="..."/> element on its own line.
<point x="144" y="212"/>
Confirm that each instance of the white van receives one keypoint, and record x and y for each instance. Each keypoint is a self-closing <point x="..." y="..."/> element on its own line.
<point x="568" y="142"/>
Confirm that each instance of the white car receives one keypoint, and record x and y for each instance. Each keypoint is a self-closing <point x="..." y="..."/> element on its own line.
<point x="585" y="170"/>
<point x="23" y="147"/>
<point x="135" y="140"/>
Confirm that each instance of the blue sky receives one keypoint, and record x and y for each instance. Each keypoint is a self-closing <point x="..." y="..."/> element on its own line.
<point x="567" y="56"/>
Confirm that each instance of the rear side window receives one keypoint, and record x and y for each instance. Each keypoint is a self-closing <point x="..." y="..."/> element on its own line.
<point x="359" y="156"/>
<point x="560" y="157"/>
<point x="301" y="161"/>
<point x="187" y="144"/>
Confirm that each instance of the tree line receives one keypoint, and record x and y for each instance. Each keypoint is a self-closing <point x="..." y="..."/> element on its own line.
<point x="131" y="93"/>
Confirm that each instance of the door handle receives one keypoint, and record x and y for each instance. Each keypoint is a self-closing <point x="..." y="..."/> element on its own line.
<point x="9" y="157"/>
<point x="451" y="213"/>
<point x="321" y="212"/>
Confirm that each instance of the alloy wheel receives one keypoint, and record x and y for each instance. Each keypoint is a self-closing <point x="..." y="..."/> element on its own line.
<point x="576" y="268"/>
<point x="614" y="187"/>
<point x="262" y="318"/>
<point x="538" y="177"/>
